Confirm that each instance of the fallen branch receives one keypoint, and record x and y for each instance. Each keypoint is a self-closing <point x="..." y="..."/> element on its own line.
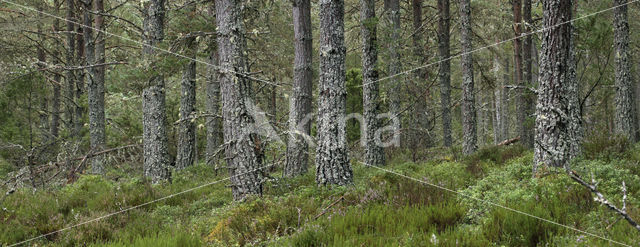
<point x="600" y="198"/>
<point x="509" y="142"/>
<point x="324" y="211"/>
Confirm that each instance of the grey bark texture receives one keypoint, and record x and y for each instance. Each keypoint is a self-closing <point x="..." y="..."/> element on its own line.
<point x="81" y="75"/>
<point x="300" y="99"/>
<point x="186" y="154"/>
<point x="422" y="124"/>
<point x="332" y="162"/>
<point x="553" y="134"/>
<point x="575" y="115"/>
<point x="625" y="109"/>
<point x="374" y="153"/>
<point x="522" y="108"/>
<point x="392" y="10"/>
<point x="469" y="128"/>
<point x="70" y="77"/>
<point x="214" y="125"/>
<point x="444" y="71"/>
<point x="527" y="73"/>
<point x="154" y="116"/>
<point x="55" y="100"/>
<point x="243" y="148"/>
<point x="94" y="54"/>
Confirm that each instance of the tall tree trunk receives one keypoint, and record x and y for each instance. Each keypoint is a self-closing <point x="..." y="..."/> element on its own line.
<point x="154" y="118"/>
<point x="422" y="112"/>
<point x="527" y="73"/>
<point x="214" y="126"/>
<point x="505" y="100"/>
<point x="44" y="103"/>
<point x="82" y="74"/>
<point x="243" y="151"/>
<point x="497" y="103"/>
<point x="332" y="163"/>
<point x="469" y="128"/>
<point x="55" y="100"/>
<point x="392" y="9"/>
<point x="96" y="98"/>
<point x="187" y="128"/>
<point x="625" y="119"/>
<point x="553" y="137"/>
<point x="70" y="77"/>
<point x="444" y="72"/>
<point x="520" y="99"/>
<point x="300" y="100"/>
<point x="95" y="89"/>
<point x="374" y="153"/>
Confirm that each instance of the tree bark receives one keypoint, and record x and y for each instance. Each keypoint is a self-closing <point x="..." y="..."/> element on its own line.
<point x="469" y="128"/>
<point x="332" y="163"/>
<point x="243" y="151"/>
<point x="95" y="82"/>
<point x="392" y="9"/>
<point x="522" y="108"/>
<point x="300" y="99"/>
<point x="553" y="137"/>
<point x="154" y="118"/>
<point x="214" y="126"/>
<point x="55" y="100"/>
<point x="186" y="155"/>
<point x="422" y="123"/>
<point x="81" y="74"/>
<point x="625" y="117"/>
<point x="374" y="153"/>
<point x="444" y="72"/>
<point x="70" y="77"/>
<point x="527" y="74"/>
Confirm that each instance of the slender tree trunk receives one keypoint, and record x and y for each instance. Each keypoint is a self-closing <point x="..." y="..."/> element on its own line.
<point x="44" y="102"/>
<point x="154" y="118"/>
<point x="422" y="112"/>
<point x="82" y="74"/>
<point x="520" y="93"/>
<point x="55" y="100"/>
<point x="527" y="74"/>
<point x="243" y="151"/>
<point x="214" y="126"/>
<point x="332" y="163"/>
<point x="444" y="72"/>
<point x="497" y="102"/>
<point x="553" y="137"/>
<point x="374" y="153"/>
<point x="300" y="100"/>
<point x="469" y="128"/>
<point x="505" y="100"/>
<point x="187" y="129"/>
<point x="392" y="10"/>
<point x="70" y="77"/>
<point x="625" y="119"/>
<point x="95" y="89"/>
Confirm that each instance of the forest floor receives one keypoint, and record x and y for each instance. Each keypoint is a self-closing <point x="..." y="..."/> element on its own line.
<point x="380" y="209"/>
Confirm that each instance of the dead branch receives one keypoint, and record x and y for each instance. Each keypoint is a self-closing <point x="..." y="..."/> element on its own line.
<point x="324" y="211"/>
<point x="601" y="199"/>
<point x="509" y="142"/>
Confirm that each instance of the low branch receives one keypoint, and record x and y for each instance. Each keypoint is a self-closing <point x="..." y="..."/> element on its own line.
<point x="600" y="198"/>
<point x="509" y="142"/>
<point x="324" y="211"/>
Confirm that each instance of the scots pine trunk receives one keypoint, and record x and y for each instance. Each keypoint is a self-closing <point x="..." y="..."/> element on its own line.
<point x="392" y="9"/>
<point x="55" y="100"/>
<point x="70" y="75"/>
<point x="625" y="119"/>
<point x="300" y="100"/>
<point x="80" y="86"/>
<point x="421" y="137"/>
<point x="374" y="153"/>
<point x="444" y="72"/>
<point x="243" y="150"/>
<point x="527" y="73"/>
<point x="95" y="84"/>
<point x="332" y="163"/>
<point x="553" y="134"/>
<point x="214" y="125"/>
<point x="520" y="99"/>
<point x="469" y="128"/>
<point x="186" y="154"/>
<point x="154" y="118"/>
